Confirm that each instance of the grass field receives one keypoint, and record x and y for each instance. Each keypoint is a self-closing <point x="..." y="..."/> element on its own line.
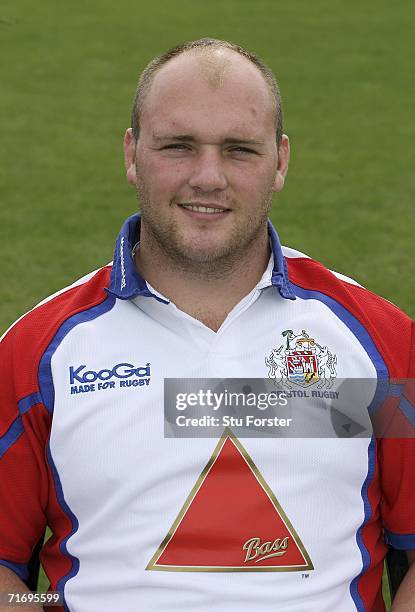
<point x="68" y="76"/>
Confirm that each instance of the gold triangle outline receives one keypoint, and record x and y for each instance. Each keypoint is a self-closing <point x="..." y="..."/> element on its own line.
<point x="228" y="433"/>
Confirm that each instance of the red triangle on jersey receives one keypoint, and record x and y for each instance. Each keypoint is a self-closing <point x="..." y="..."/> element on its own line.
<point x="231" y="521"/>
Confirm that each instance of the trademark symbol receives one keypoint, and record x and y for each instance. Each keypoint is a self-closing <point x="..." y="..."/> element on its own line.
<point x="305" y="575"/>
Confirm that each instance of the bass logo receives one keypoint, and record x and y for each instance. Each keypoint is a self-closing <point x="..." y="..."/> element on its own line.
<point x="301" y="360"/>
<point x="213" y="531"/>
<point x="258" y="552"/>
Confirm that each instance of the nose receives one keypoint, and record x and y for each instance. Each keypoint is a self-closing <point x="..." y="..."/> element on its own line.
<point x="208" y="172"/>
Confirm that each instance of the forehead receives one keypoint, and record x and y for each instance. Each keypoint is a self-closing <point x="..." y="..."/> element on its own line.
<point x="216" y="91"/>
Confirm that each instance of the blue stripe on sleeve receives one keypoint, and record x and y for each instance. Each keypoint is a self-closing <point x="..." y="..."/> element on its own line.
<point x="18" y="568"/>
<point x="12" y="434"/>
<point x="27" y="402"/>
<point x="408" y="410"/>
<point x="400" y="541"/>
<point x="395" y="389"/>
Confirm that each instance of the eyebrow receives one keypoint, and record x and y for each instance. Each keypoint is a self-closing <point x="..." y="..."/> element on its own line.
<point x="190" y="138"/>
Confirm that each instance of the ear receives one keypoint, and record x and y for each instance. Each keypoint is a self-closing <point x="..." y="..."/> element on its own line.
<point x="283" y="161"/>
<point x="129" y="156"/>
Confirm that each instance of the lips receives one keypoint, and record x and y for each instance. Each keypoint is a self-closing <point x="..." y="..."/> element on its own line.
<point x="208" y="209"/>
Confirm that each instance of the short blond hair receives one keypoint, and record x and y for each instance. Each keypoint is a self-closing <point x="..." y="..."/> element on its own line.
<point x="147" y="76"/>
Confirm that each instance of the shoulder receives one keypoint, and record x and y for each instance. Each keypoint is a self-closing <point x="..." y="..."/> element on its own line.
<point x="23" y="344"/>
<point x="79" y="295"/>
<point x="390" y="328"/>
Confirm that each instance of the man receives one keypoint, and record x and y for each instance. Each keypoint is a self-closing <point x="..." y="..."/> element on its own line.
<point x="199" y="288"/>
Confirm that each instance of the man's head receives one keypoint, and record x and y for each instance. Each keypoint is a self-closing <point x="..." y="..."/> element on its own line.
<point x="204" y="157"/>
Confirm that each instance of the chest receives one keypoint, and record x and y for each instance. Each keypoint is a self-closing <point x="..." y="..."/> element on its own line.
<point x="109" y="421"/>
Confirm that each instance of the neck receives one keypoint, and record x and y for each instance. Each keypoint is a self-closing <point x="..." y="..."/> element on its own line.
<point x="201" y="294"/>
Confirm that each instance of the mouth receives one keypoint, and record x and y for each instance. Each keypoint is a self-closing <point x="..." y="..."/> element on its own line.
<point x="204" y="209"/>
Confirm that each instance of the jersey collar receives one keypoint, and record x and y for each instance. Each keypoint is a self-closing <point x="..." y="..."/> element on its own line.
<point x="127" y="283"/>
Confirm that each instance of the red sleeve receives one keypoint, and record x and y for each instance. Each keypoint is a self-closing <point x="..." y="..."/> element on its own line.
<point x="24" y="429"/>
<point x="27" y="491"/>
<point x="397" y="460"/>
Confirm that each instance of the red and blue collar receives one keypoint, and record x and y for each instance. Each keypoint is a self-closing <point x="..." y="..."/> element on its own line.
<point x="126" y="281"/>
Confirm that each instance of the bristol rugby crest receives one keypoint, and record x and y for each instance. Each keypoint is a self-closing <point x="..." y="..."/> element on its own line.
<point x="301" y="360"/>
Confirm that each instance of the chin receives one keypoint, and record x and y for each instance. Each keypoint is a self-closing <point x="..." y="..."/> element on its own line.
<point x="211" y="251"/>
<point x="202" y="256"/>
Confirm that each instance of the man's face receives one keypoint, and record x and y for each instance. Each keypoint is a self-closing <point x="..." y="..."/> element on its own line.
<point x="206" y="162"/>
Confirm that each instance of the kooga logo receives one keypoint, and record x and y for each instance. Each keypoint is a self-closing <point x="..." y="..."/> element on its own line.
<point x="121" y="370"/>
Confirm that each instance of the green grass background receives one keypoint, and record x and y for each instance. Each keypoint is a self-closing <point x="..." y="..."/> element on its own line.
<point x="67" y="79"/>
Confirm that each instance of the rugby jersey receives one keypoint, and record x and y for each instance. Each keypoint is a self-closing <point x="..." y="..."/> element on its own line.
<point x="141" y="521"/>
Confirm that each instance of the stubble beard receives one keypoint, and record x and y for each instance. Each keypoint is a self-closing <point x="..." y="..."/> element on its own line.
<point x="166" y="245"/>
